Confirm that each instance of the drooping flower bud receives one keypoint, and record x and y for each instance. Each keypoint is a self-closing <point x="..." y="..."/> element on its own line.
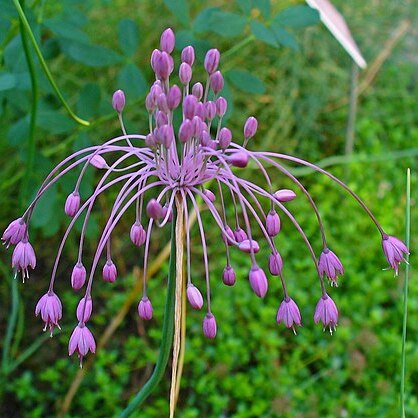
<point x="212" y="60"/>
<point x="150" y="103"/>
<point x="188" y="55"/>
<point x="289" y="314"/>
<point x="72" y="204"/>
<point x="239" y="159"/>
<point x="151" y="141"/>
<point x="81" y="342"/>
<point x="23" y="257"/>
<point x="197" y="90"/>
<point x="272" y="223"/>
<point x="209" y="194"/>
<point x="137" y="234"/>
<point x="110" y="272"/>
<point x="173" y="97"/>
<point x="284" y="195"/>
<point x="185" y="73"/>
<point x="250" y="127"/>
<point x="258" y="281"/>
<point x="394" y="250"/>
<point x="225" y="137"/>
<point x="50" y="308"/>
<point x="247" y="246"/>
<point x="194" y="297"/>
<point x="330" y="265"/>
<point x="99" y="162"/>
<point x="217" y="82"/>
<point x="145" y="310"/>
<point x="326" y="311"/>
<point x="118" y="101"/>
<point x="87" y="310"/>
<point x="78" y="276"/>
<point x="240" y="235"/>
<point x="167" y="41"/>
<point x="15" y="232"/>
<point x="228" y="276"/>
<point x="275" y="263"/>
<point x="209" y="326"/>
<point x="189" y="105"/>
<point x="228" y="236"/>
<point x="154" y="209"/>
<point x="221" y="106"/>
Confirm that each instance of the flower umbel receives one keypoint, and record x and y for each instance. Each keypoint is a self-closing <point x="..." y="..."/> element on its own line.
<point x="201" y="163"/>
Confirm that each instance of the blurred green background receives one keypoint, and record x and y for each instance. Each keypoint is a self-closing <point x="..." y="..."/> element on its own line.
<point x="296" y="81"/>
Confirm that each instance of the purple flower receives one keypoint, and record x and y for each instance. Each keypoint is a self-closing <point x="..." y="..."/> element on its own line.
<point x="289" y="314"/>
<point x="109" y="272"/>
<point x="81" y="342"/>
<point x="275" y="263"/>
<point x="145" y="310"/>
<point x="78" y="276"/>
<point x="187" y="55"/>
<point x="118" y="101"/>
<point x="209" y="326"/>
<point x="258" y="281"/>
<point x="72" y="204"/>
<point x="15" y="232"/>
<point x="212" y="60"/>
<point x="395" y="251"/>
<point x="228" y="276"/>
<point x="240" y="235"/>
<point x="50" y="308"/>
<point x="137" y="234"/>
<point x="249" y="246"/>
<point x="330" y="265"/>
<point x="284" y="195"/>
<point x="217" y="82"/>
<point x="250" y="127"/>
<point x="85" y="306"/>
<point x="194" y="296"/>
<point x="326" y="311"/>
<point x="272" y="223"/>
<point x="167" y="41"/>
<point x="23" y="257"/>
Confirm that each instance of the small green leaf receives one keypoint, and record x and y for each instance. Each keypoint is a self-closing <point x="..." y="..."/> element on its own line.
<point x="132" y="81"/>
<point x="296" y="17"/>
<point x="7" y="81"/>
<point x="128" y="36"/>
<point x="285" y="38"/>
<point x="66" y="30"/>
<point x="18" y="133"/>
<point x="227" y="24"/>
<point x="88" y="104"/>
<point x="245" y="81"/>
<point x="91" y="55"/>
<point x="263" y="33"/>
<point x="264" y="6"/>
<point x="54" y="122"/>
<point x="46" y="209"/>
<point x="203" y="20"/>
<point x="180" y="9"/>
<point x="245" y="6"/>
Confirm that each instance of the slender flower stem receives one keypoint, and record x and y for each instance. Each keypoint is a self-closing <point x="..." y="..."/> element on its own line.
<point x="44" y="65"/>
<point x="167" y="335"/>
<point x="405" y="289"/>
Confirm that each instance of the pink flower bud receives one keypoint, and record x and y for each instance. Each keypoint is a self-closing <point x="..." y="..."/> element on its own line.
<point x="72" y="204"/>
<point x="212" y="60"/>
<point x="87" y="310"/>
<point x="165" y="210"/>
<point x="247" y="245"/>
<point x="228" y="276"/>
<point x="189" y="105"/>
<point x="163" y="66"/>
<point x="194" y="297"/>
<point x="138" y="234"/>
<point x="258" y="281"/>
<point x="99" y="162"/>
<point x="205" y="139"/>
<point x="272" y="223"/>
<point x="250" y="127"/>
<point x="197" y="90"/>
<point x="200" y="110"/>
<point x="145" y="310"/>
<point x="167" y="41"/>
<point x="154" y="209"/>
<point x="239" y="159"/>
<point x="187" y="55"/>
<point x="228" y="236"/>
<point x="156" y="54"/>
<point x="210" y="110"/>
<point x="15" y="232"/>
<point x="225" y="137"/>
<point x="150" y="103"/>
<point x="185" y="73"/>
<point x="166" y="135"/>
<point x="173" y="97"/>
<point x="110" y="272"/>
<point x="209" y="194"/>
<point x="185" y="131"/>
<point x="217" y="82"/>
<point x="151" y="141"/>
<point x="284" y="195"/>
<point x="118" y="101"/>
<point x="161" y="119"/>
<point x="221" y="106"/>
<point x="78" y="276"/>
<point x="162" y="103"/>
<point x="275" y="263"/>
<point x="240" y="235"/>
<point x="209" y="326"/>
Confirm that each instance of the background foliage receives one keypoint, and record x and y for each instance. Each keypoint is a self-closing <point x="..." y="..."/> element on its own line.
<point x="285" y="68"/>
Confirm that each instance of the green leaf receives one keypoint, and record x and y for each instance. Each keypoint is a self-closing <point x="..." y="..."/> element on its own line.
<point x="55" y="122"/>
<point x="88" y="104"/>
<point x="202" y="21"/>
<point x="227" y="24"/>
<point x="46" y="209"/>
<point x="18" y="133"/>
<point x="263" y="33"/>
<point x="296" y="17"/>
<point x="264" y="6"/>
<point x="66" y="30"/>
<point x="7" y="81"/>
<point x="132" y="81"/>
<point x="128" y="36"/>
<point x="180" y="9"/>
<point x="245" y="81"/>
<point x="245" y="6"/>
<point x="285" y="38"/>
<point x="91" y="55"/>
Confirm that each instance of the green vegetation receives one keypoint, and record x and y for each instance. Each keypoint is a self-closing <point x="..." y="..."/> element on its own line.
<point x="285" y="68"/>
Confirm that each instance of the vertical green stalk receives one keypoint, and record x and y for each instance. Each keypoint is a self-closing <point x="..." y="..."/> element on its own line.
<point x="167" y="333"/>
<point x="405" y="288"/>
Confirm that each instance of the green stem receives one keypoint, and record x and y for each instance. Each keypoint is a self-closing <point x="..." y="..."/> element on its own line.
<point x="34" y="110"/>
<point x="238" y="46"/>
<point x="405" y="289"/>
<point x="167" y="336"/>
<point x="44" y="66"/>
